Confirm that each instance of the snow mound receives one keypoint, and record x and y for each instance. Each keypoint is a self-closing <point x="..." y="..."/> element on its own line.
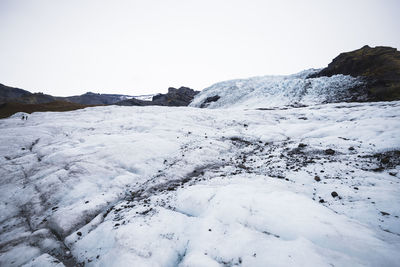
<point x="273" y="91"/>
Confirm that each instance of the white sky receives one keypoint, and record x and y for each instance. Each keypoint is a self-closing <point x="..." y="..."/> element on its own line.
<point x="139" y="47"/>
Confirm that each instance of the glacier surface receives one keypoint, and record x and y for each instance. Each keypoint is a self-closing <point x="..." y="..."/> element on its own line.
<point x="158" y="186"/>
<point x="277" y="91"/>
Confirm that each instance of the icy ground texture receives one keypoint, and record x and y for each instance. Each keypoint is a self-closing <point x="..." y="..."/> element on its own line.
<point x="155" y="186"/>
<point x="275" y="91"/>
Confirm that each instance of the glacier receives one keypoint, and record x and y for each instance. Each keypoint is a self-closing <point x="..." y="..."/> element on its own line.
<point x="277" y="91"/>
<point x="231" y="185"/>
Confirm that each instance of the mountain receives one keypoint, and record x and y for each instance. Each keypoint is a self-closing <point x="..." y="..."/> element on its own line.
<point x="96" y="99"/>
<point x="367" y="74"/>
<point x="7" y="93"/>
<point x="379" y="66"/>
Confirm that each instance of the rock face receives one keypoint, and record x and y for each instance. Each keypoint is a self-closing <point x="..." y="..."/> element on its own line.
<point x="380" y="67"/>
<point x="209" y="100"/>
<point x="174" y="98"/>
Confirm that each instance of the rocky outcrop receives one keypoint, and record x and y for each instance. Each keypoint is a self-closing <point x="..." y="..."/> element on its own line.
<point x="209" y="100"/>
<point x="379" y="66"/>
<point x="174" y="98"/>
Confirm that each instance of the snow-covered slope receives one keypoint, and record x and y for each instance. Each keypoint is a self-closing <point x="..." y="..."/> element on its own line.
<point x="158" y="186"/>
<point x="275" y="91"/>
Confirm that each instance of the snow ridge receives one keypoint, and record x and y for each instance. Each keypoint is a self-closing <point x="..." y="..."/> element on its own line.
<point x="273" y="91"/>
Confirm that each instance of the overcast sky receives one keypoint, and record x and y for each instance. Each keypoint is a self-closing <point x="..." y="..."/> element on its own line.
<point x="145" y="46"/>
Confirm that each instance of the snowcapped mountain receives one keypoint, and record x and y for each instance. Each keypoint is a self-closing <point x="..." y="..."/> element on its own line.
<point x="275" y="91"/>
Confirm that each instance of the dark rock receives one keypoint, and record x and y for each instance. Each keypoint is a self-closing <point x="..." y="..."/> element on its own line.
<point x="329" y="151"/>
<point x="385" y="213"/>
<point x="379" y="67"/>
<point x="388" y="159"/>
<point x="385" y="160"/>
<point x="317" y="178"/>
<point x="351" y="148"/>
<point x="334" y="194"/>
<point x="301" y="145"/>
<point x="175" y="97"/>
<point x="79" y="233"/>
<point x="321" y="200"/>
<point x="209" y="100"/>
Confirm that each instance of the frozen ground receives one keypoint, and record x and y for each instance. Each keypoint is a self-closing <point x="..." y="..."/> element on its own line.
<point x="156" y="186"/>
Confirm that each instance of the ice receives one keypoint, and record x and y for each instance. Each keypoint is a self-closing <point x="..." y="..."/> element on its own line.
<point x="164" y="186"/>
<point x="44" y="260"/>
<point x="276" y="91"/>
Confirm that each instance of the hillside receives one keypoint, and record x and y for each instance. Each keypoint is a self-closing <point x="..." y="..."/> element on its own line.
<point x="96" y="99"/>
<point x="7" y="93"/>
<point x="16" y="100"/>
<point x="8" y="109"/>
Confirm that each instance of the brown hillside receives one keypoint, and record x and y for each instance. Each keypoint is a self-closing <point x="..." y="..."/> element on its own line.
<point x="8" y="109"/>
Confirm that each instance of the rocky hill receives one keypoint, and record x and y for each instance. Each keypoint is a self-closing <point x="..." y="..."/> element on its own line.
<point x="379" y="66"/>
